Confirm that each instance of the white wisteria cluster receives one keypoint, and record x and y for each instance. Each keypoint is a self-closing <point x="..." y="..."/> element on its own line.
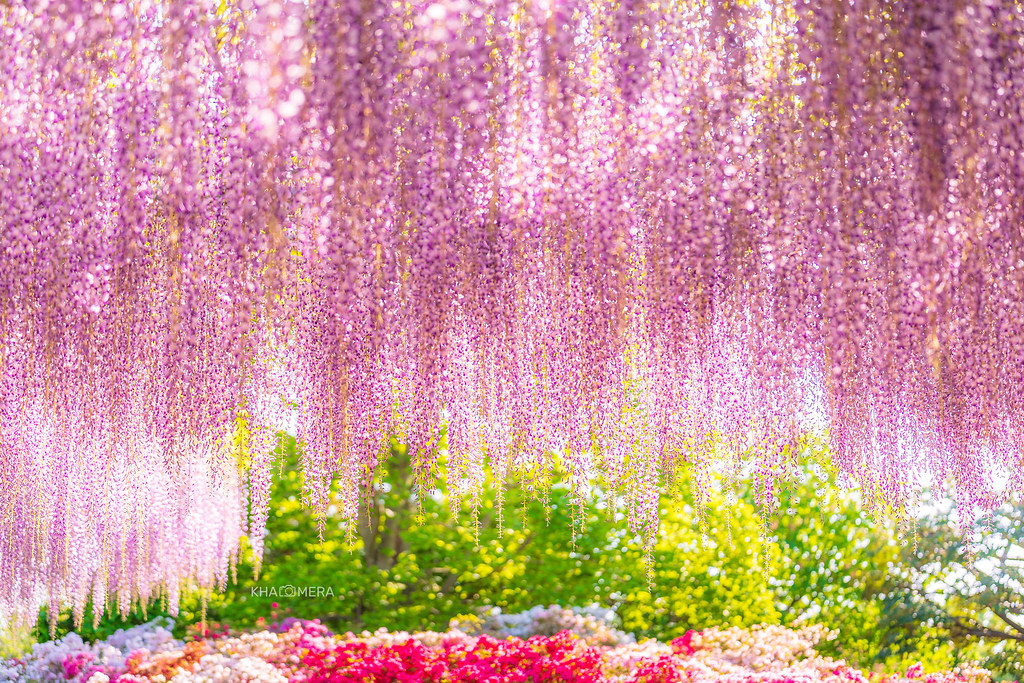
<point x="592" y="624"/>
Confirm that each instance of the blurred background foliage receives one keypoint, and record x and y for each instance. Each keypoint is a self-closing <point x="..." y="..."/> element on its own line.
<point x="820" y="556"/>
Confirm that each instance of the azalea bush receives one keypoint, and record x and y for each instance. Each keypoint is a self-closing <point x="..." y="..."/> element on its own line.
<point x="298" y="651"/>
<point x="590" y="624"/>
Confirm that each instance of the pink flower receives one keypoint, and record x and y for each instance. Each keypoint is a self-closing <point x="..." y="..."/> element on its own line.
<point x="74" y="663"/>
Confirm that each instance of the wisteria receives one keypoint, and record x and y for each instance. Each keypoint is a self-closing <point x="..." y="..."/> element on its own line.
<point x="606" y="236"/>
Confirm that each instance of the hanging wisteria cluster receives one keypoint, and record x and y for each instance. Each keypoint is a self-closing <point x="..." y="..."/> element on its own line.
<point x="615" y="234"/>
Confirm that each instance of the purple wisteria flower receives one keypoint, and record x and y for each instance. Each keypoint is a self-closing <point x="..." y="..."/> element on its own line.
<point x="619" y="236"/>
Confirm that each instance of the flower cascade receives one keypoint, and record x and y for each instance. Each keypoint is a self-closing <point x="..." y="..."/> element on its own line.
<point x="618" y="235"/>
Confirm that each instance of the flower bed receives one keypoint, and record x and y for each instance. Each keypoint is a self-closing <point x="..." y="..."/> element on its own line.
<point x="306" y="652"/>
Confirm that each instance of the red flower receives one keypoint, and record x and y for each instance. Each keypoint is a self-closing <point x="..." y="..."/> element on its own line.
<point x="686" y="644"/>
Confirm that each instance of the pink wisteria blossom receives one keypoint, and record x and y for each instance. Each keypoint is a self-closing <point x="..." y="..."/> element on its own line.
<point x="622" y="236"/>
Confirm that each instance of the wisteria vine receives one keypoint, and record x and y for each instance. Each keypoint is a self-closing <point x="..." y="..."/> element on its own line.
<point x="616" y="234"/>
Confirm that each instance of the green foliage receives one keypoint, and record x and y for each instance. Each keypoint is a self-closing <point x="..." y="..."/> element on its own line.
<point x="837" y="560"/>
<point x="832" y="561"/>
<point x="966" y="598"/>
<point x="410" y="563"/>
<point x="700" y="579"/>
<point x="414" y="565"/>
<point x="97" y="629"/>
<point x="15" y="640"/>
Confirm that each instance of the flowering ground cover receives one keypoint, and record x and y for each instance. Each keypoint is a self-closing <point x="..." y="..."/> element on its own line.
<point x="297" y="651"/>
